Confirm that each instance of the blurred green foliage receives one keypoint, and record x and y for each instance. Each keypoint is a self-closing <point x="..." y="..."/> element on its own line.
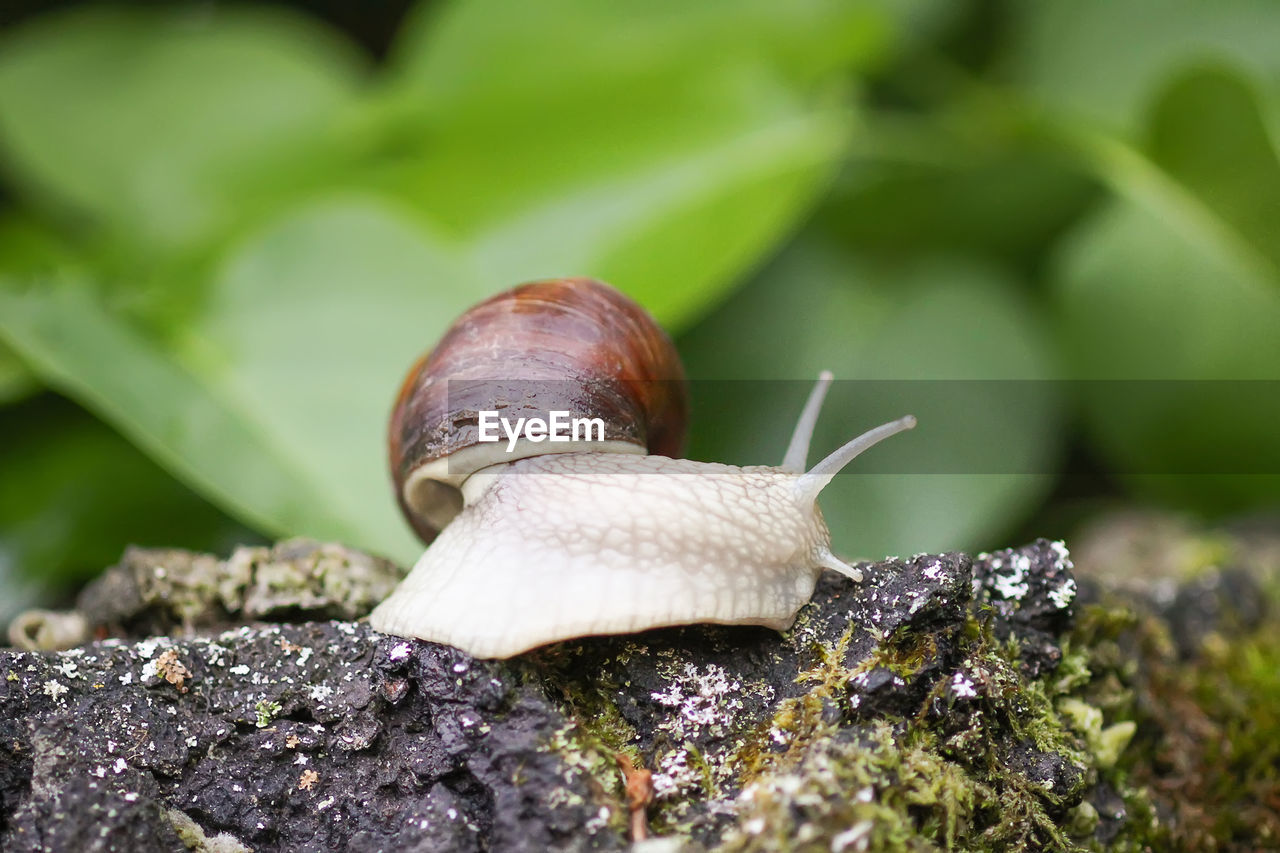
<point x="72" y="488"/>
<point x="228" y="232"/>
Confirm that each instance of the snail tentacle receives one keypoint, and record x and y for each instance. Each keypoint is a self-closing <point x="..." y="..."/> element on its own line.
<point x="811" y="483"/>
<point x="798" y="450"/>
<point x="830" y="561"/>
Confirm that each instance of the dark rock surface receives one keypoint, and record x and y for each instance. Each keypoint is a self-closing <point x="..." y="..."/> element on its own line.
<point x="916" y="705"/>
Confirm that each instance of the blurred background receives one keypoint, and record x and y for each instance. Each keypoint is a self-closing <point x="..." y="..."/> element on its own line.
<point x="227" y="230"/>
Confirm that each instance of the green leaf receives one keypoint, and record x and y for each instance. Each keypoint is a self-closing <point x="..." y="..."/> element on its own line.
<point x="74" y="494"/>
<point x="987" y="442"/>
<point x="201" y="433"/>
<point x="675" y="235"/>
<point x="1188" y="246"/>
<point x="661" y="146"/>
<point x="1210" y="134"/>
<point x="1178" y="279"/>
<point x="669" y="200"/>
<point x="925" y="188"/>
<point x="16" y="381"/>
<point x="160" y="122"/>
<point x="28" y="249"/>
<point x="273" y="405"/>
<point x="268" y="387"/>
<point x="472" y="55"/>
<point x="1104" y="61"/>
<point x="316" y="322"/>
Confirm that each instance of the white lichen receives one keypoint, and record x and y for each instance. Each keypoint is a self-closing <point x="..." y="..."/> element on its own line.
<point x="855" y="837"/>
<point x="1015" y="585"/>
<point x="962" y="687"/>
<point x="1063" y="596"/>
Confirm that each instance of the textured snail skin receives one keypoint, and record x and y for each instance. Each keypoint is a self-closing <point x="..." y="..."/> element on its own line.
<point x="570" y="545"/>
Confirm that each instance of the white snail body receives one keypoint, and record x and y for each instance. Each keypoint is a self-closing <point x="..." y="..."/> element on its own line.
<point x="555" y="546"/>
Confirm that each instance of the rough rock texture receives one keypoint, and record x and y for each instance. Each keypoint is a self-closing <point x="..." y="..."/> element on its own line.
<point x="157" y="590"/>
<point x="944" y="702"/>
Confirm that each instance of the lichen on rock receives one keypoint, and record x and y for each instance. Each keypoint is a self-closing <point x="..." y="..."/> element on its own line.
<point x="159" y="590"/>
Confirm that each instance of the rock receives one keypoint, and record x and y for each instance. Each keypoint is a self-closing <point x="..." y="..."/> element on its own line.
<point x="155" y="590"/>
<point x="929" y="705"/>
<point x="1030" y="592"/>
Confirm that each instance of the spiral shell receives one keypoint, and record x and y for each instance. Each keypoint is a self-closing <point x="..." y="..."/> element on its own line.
<point x="575" y="345"/>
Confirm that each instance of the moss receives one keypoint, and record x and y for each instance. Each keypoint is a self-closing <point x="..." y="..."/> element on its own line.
<point x="1208" y="742"/>
<point x="939" y="778"/>
<point x="194" y="838"/>
<point x="1189" y="675"/>
<point x="265" y="712"/>
<point x="871" y="789"/>
<point x="896" y="785"/>
<point x="1106" y="743"/>
<point x="595" y="731"/>
<point x="154" y="591"/>
<point x="903" y="655"/>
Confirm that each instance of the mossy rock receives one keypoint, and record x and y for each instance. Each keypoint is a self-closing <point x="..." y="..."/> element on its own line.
<point x="947" y="702"/>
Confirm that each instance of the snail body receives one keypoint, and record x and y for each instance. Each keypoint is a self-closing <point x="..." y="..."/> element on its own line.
<point x="613" y="539"/>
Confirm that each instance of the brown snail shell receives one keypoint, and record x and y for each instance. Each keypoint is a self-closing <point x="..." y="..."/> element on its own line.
<point x="572" y="344"/>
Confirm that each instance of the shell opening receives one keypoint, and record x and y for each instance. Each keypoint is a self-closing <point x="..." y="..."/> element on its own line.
<point x="435" y="502"/>
<point x="436" y="491"/>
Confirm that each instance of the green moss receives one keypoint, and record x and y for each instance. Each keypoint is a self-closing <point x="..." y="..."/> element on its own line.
<point x="872" y="792"/>
<point x="193" y="837"/>
<point x="266" y="712"/>
<point x="903" y="656"/>
<point x="601" y="722"/>
<point x="939" y="778"/>
<point x="1106" y="743"/>
<point x="889" y="789"/>
<point x="595" y="731"/>
<point x="1209" y="742"/>
<point x="1196" y="741"/>
<point x="919" y="783"/>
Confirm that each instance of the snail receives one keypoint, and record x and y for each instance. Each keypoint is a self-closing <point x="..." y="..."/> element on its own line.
<point x="534" y="540"/>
